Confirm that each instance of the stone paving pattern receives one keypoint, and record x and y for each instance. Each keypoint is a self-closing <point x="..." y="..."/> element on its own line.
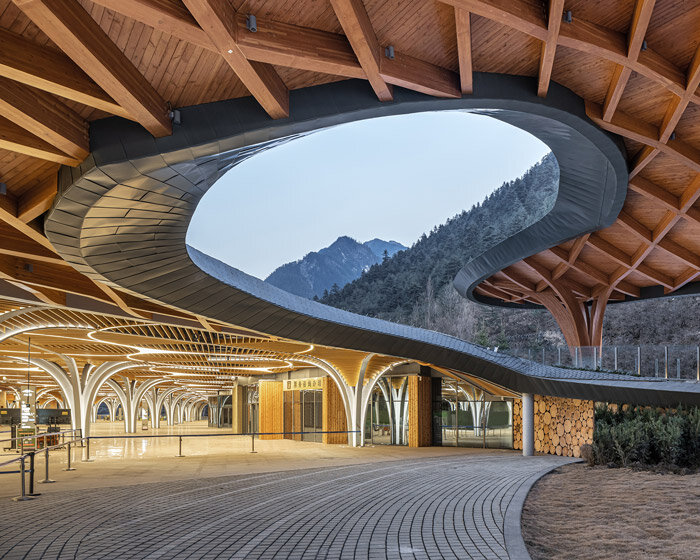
<point x="450" y="507"/>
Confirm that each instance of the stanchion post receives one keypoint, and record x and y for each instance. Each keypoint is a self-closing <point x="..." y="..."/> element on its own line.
<point x="179" y="453"/>
<point x="31" y="475"/>
<point x="46" y="480"/>
<point x="252" y="442"/>
<point x="82" y="441"/>
<point x="23" y="495"/>
<point x="87" y="451"/>
<point x="69" y="468"/>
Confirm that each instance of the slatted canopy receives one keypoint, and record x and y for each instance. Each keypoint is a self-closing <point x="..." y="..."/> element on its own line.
<point x="67" y="63"/>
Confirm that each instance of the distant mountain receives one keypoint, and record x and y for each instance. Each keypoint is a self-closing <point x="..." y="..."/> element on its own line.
<point x="342" y="262"/>
<point x="378" y="246"/>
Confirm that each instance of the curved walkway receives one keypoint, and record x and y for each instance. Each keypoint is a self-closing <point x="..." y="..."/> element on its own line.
<point x="449" y="507"/>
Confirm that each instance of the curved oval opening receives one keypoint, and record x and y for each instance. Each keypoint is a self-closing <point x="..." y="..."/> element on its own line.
<point x="394" y="179"/>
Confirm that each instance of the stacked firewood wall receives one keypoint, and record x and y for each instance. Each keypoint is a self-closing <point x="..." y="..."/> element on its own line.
<point x="562" y="426"/>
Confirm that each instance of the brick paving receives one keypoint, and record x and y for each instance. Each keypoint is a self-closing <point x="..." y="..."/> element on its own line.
<point x="446" y="507"/>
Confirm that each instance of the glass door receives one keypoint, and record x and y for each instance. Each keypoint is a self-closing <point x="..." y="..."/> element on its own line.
<point x="386" y="420"/>
<point x="473" y="418"/>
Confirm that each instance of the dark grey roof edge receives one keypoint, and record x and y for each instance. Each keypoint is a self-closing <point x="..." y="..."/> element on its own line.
<point x="129" y="173"/>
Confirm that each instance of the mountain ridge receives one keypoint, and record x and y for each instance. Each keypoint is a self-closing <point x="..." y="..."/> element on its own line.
<point x="341" y="262"/>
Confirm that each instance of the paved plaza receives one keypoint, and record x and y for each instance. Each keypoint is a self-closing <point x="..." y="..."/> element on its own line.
<point x="454" y="506"/>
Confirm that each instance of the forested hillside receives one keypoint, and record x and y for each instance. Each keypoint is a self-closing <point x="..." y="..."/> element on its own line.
<point x="415" y="286"/>
<point x="394" y="289"/>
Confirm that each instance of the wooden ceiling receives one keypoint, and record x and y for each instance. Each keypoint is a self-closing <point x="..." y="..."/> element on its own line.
<point x="64" y="63"/>
<point x="197" y="360"/>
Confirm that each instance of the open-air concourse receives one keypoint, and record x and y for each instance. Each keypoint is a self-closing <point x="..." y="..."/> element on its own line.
<point x="349" y="279"/>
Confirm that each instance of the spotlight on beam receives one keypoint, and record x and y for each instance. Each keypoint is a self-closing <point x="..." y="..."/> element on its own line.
<point x="3" y="189"/>
<point x="251" y="23"/>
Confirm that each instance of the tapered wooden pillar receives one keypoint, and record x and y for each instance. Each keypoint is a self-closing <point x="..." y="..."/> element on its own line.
<point x="580" y="325"/>
<point x="271" y="413"/>
<point x="334" y="418"/>
<point x="420" y="424"/>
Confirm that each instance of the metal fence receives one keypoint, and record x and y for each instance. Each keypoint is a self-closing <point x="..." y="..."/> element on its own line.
<point x="662" y="361"/>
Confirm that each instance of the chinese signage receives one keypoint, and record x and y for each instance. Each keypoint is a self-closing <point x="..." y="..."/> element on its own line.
<point x="310" y="383"/>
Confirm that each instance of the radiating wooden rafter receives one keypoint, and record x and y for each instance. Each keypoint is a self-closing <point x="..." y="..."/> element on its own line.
<point x="82" y="67"/>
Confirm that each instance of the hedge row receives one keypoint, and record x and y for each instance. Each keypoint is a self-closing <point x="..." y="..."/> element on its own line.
<point x="646" y="436"/>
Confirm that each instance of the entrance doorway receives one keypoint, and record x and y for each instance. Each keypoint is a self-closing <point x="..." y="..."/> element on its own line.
<point x="250" y="411"/>
<point x="221" y="411"/>
<point x="470" y="417"/>
<point x="303" y="412"/>
<point x="386" y="420"/>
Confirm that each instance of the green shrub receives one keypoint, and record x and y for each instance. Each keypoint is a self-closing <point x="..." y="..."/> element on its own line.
<point x="647" y="436"/>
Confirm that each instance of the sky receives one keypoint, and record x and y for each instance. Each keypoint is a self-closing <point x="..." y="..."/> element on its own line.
<point x="394" y="178"/>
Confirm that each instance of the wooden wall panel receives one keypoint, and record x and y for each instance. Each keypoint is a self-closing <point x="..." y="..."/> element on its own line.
<point x="562" y="426"/>
<point x="334" y="418"/>
<point x="271" y="407"/>
<point x="420" y="425"/>
<point x="238" y="405"/>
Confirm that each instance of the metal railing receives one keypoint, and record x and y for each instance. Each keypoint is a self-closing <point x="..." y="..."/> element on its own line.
<point x="31" y="456"/>
<point x="85" y="442"/>
<point x="660" y="361"/>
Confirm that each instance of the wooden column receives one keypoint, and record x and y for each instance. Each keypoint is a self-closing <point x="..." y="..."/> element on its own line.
<point x="238" y="404"/>
<point x="334" y="418"/>
<point x="420" y="426"/>
<point x="572" y="318"/>
<point x="271" y="400"/>
<point x="580" y="325"/>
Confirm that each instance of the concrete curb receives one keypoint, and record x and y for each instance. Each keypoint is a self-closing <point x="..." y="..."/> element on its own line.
<point x="512" y="530"/>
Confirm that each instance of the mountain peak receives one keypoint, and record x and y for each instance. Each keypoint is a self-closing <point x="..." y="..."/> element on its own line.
<point x="341" y="262"/>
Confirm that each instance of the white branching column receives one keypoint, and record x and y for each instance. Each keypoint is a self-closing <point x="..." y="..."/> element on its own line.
<point x="130" y="394"/>
<point x="80" y="387"/>
<point x="528" y="425"/>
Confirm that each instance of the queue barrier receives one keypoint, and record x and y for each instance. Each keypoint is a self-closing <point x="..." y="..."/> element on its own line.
<point x="85" y="441"/>
<point x="47" y="437"/>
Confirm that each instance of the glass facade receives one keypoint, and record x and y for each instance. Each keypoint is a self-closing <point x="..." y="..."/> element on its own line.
<point x="466" y="416"/>
<point x="303" y="412"/>
<point x="221" y="411"/>
<point x="386" y="420"/>
<point x="250" y="410"/>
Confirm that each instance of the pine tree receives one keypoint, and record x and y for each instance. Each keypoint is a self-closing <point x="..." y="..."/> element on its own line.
<point x="502" y="340"/>
<point x="482" y="336"/>
<point x="385" y="257"/>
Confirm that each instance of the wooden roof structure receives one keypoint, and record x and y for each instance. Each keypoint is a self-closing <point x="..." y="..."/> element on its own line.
<point x="66" y="63"/>
<point x="195" y="359"/>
